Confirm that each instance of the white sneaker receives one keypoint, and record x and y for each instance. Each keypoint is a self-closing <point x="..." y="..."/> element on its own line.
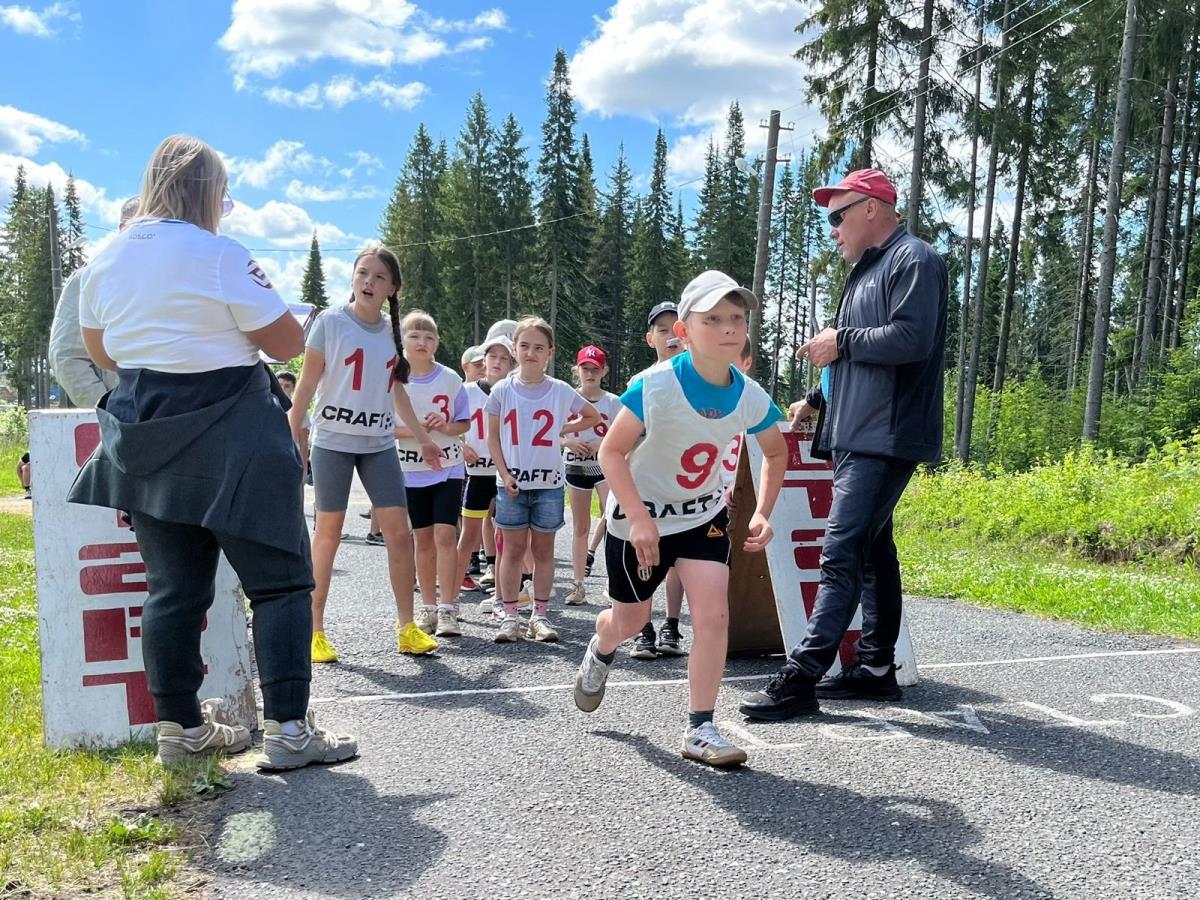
<point x="447" y="623"/>
<point x="591" y="678"/>
<point x="215" y="736"/>
<point x="578" y="596"/>
<point x="540" y="629"/>
<point x="706" y="744"/>
<point x="525" y="597"/>
<point x="313" y="745"/>
<point x="488" y="578"/>
<point x="487" y="607"/>
<point x="510" y="630"/>
<point x="426" y="618"/>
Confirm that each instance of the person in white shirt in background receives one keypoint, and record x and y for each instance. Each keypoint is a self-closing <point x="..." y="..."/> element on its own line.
<point x="84" y="381"/>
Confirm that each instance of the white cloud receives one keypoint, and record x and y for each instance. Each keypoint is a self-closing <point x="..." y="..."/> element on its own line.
<point x="299" y="192"/>
<point x="281" y="158"/>
<point x="283" y="225"/>
<point x="685" y="61"/>
<point x="25" y="132"/>
<point x="267" y="37"/>
<point x="24" y="20"/>
<point x="98" y="208"/>
<point x="343" y="89"/>
<point x="286" y="271"/>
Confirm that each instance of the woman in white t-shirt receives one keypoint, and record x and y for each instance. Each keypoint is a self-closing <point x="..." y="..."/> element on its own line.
<point x="354" y="365"/>
<point x="195" y="446"/>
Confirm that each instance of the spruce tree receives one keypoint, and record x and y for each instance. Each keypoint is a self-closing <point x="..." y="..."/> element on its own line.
<point x="514" y="215"/>
<point x="72" y="232"/>
<point x="610" y="265"/>
<point x="312" y="286"/>
<point x="412" y="223"/>
<point x="653" y="275"/>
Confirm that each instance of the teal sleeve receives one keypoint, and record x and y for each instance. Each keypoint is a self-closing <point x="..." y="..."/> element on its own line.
<point x="632" y="400"/>
<point x="773" y="415"/>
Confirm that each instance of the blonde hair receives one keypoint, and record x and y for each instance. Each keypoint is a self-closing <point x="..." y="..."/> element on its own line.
<point x="419" y="320"/>
<point x="534" y="322"/>
<point x="185" y="180"/>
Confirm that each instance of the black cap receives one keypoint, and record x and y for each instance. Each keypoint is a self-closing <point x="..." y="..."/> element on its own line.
<point x="658" y="309"/>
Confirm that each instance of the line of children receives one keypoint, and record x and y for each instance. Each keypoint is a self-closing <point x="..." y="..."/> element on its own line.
<point x="355" y="367"/>
<point x="667" y="503"/>
<point x="528" y="414"/>
<point x="434" y="492"/>
<point x="473" y="371"/>
<point x="582" y="467"/>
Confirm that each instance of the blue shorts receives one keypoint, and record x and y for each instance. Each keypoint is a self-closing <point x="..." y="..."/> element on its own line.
<point x="539" y="510"/>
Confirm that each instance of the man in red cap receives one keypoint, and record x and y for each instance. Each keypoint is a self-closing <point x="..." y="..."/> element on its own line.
<point x="880" y="405"/>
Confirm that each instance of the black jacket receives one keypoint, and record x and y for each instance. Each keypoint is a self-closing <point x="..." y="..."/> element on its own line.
<point x="886" y="384"/>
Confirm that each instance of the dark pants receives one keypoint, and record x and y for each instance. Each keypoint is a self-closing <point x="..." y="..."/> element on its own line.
<point x="858" y="559"/>
<point x="181" y="565"/>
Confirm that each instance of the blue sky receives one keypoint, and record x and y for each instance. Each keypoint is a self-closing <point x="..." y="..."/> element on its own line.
<point x="313" y="102"/>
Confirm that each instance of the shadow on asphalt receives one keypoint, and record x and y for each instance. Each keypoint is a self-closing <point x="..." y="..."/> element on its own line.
<point x="284" y="839"/>
<point x="837" y="822"/>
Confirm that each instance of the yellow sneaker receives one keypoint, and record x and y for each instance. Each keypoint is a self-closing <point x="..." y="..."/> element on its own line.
<point x="411" y="639"/>
<point x="322" y="650"/>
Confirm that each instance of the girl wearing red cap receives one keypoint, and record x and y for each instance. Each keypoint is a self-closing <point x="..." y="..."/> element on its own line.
<point x="583" y="471"/>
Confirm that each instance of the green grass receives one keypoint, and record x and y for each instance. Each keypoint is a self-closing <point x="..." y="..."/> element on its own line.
<point x="10" y="453"/>
<point x="1109" y="544"/>
<point x="73" y="823"/>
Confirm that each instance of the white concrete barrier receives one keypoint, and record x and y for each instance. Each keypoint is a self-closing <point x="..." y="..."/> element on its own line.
<point x="91" y="585"/>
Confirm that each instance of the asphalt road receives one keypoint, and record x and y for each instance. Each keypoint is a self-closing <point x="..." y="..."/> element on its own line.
<point x="1034" y="759"/>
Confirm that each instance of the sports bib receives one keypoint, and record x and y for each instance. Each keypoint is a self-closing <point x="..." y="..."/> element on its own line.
<point x="608" y="406"/>
<point x="355" y="393"/>
<point x="529" y="432"/>
<point x="438" y="396"/>
<point x="476" y="436"/>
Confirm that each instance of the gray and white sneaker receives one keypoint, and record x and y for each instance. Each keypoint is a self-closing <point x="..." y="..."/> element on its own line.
<point x="706" y="744"/>
<point x="591" y="678"/>
<point x="447" y="623"/>
<point x="425" y="618"/>
<point x="312" y="745"/>
<point x="578" y="595"/>
<point x="540" y="629"/>
<point x="487" y="606"/>
<point x="488" y="578"/>
<point x="510" y="630"/>
<point x="216" y="736"/>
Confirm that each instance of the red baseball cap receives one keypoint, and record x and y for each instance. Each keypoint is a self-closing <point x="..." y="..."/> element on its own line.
<point x="868" y="182"/>
<point x="593" y="355"/>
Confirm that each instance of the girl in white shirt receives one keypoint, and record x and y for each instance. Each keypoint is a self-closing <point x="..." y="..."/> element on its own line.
<point x="527" y="416"/>
<point x="354" y="364"/>
<point x="582" y="467"/>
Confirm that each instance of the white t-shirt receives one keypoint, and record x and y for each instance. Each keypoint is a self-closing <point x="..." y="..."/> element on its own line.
<point x="476" y="436"/>
<point x="531" y="421"/>
<point x="353" y="411"/>
<point x="676" y="466"/>
<point x="608" y="406"/>
<point x="173" y="297"/>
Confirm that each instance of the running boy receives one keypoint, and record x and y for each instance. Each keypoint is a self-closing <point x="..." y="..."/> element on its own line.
<point x="582" y="467"/>
<point x="667" y="507"/>
<point x="528" y="415"/>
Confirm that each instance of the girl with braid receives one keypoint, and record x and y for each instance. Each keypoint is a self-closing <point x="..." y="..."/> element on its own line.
<point x="354" y="363"/>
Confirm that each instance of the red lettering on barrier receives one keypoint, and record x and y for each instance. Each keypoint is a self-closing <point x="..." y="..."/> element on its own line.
<point x="138" y="702"/>
<point x="800" y="458"/>
<point x="87" y="439"/>
<point x="111" y="578"/>
<point x="104" y="635"/>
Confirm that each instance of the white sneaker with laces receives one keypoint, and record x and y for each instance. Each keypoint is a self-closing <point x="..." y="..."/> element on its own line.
<point x="540" y="629"/>
<point x="525" y="597"/>
<point x="487" y="606"/>
<point x="215" y="736"/>
<point x="312" y="745"/>
<point x="488" y="578"/>
<point x="447" y="623"/>
<point x="510" y="630"/>
<point x="426" y="618"/>
<point x="578" y="595"/>
<point x="706" y="744"/>
<point x="591" y="678"/>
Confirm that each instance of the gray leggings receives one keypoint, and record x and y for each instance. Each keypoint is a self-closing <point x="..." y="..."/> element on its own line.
<point x="333" y="471"/>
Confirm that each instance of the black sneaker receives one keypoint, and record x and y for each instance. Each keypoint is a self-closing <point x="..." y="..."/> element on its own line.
<point x="591" y="560"/>
<point x="375" y="538"/>
<point x="856" y="681"/>
<point x="645" y="647"/>
<point x="474" y="568"/>
<point x="670" y="641"/>
<point x="786" y="695"/>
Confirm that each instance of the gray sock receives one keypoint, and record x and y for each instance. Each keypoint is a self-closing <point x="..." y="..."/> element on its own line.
<point x="698" y="718"/>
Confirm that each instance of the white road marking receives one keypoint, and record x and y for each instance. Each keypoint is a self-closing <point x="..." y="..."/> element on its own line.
<point x="542" y="688"/>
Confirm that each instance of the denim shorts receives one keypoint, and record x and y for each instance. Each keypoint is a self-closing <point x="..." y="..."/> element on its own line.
<point x="540" y="510"/>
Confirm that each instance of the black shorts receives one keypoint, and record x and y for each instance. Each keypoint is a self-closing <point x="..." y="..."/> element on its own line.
<point x="582" y="481"/>
<point x="436" y="504"/>
<point x="709" y="541"/>
<point x="478" y="496"/>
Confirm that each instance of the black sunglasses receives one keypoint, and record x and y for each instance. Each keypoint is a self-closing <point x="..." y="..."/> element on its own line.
<point x="837" y="215"/>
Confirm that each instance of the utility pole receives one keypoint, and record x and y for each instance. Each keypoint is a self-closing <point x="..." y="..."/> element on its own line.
<point x="766" y="197"/>
<point x="779" y="305"/>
